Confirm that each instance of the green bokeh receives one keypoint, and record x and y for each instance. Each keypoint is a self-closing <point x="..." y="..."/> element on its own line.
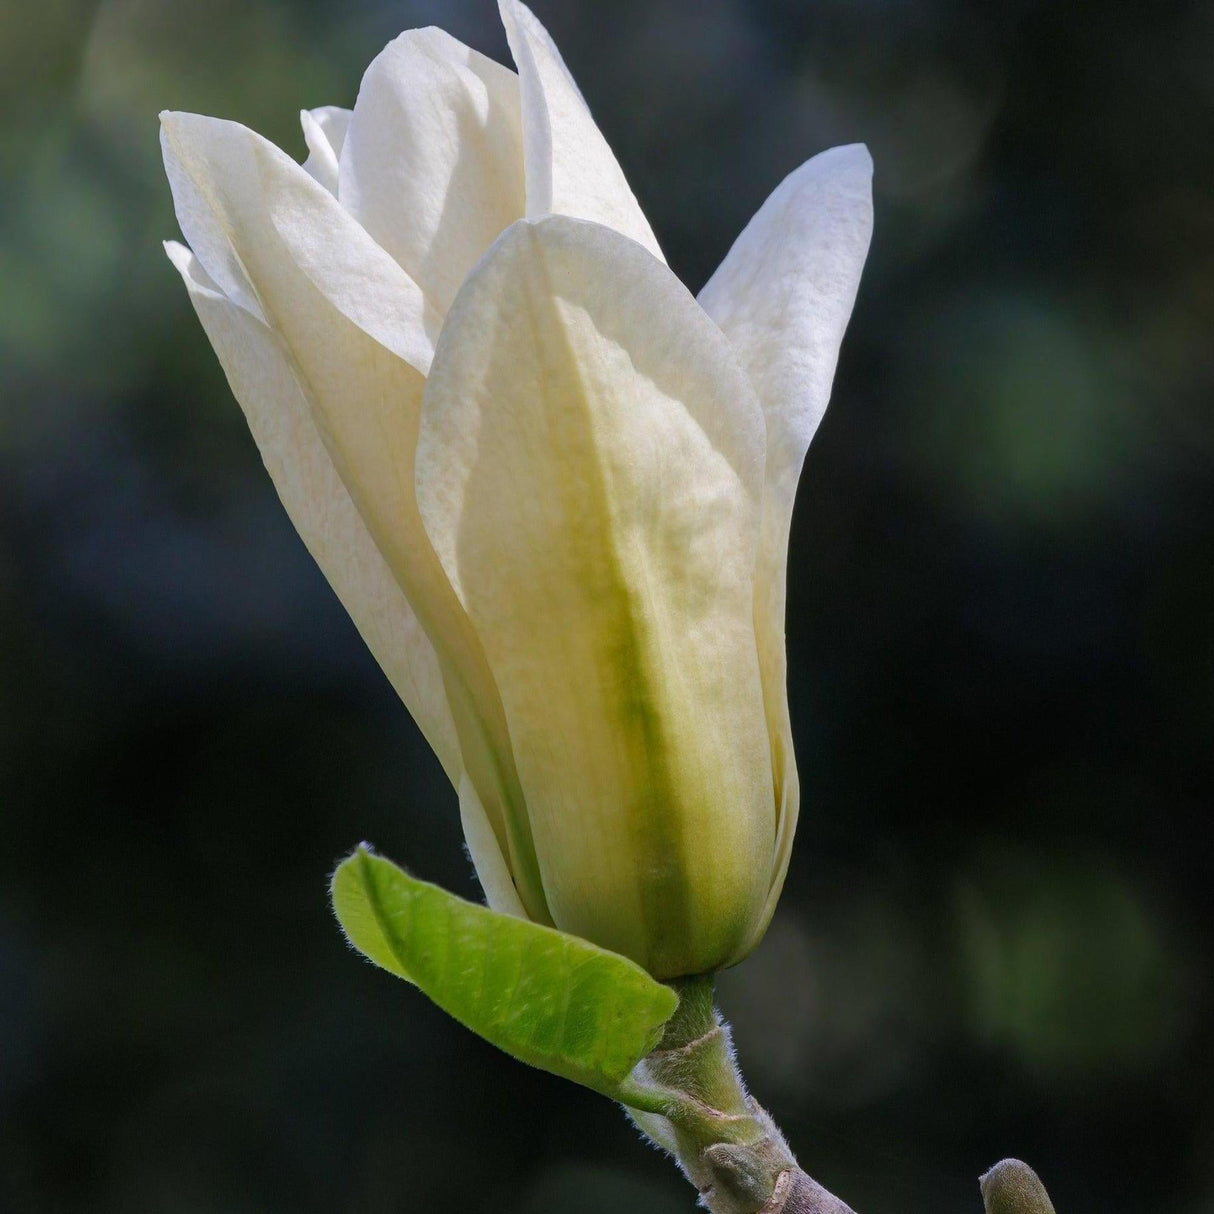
<point x="994" y="939"/>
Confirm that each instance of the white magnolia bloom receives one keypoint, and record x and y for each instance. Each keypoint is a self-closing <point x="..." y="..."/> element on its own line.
<point x="551" y="487"/>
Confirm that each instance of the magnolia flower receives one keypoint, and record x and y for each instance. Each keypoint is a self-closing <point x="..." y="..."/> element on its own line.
<point x="552" y="488"/>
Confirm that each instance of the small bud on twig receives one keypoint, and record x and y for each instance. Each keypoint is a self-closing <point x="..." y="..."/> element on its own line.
<point x="1012" y="1187"/>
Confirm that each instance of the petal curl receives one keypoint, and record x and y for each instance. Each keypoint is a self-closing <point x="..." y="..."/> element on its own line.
<point x="433" y="163"/>
<point x="317" y="503"/>
<point x="324" y="132"/>
<point x="365" y="399"/>
<point x="486" y="852"/>
<point x="249" y="199"/>
<point x="589" y="469"/>
<point x="364" y="396"/>
<point x="570" y="168"/>
<point x="783" y="296"/>
<point x="785" y="291"/>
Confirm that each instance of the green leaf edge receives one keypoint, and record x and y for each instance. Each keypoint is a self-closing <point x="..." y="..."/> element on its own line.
<point x="358" y="905"/>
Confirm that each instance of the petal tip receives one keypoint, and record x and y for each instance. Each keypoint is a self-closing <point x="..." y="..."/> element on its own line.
<point x="176" y="252"/>
<point x="176" y="125"/>
<point x="853" y="156"/>
<point x="180" y="257"/>
<point x="513" y="13"/>
<point x="861" y="154"/>
<point x="174" y="120"/>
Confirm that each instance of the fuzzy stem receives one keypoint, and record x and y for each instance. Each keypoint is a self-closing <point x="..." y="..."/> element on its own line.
<point x="797" y="1193"/>
<point x="688" y="1096"/>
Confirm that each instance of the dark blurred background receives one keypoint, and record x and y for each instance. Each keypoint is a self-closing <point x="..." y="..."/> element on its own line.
<point x="994" y="938"/>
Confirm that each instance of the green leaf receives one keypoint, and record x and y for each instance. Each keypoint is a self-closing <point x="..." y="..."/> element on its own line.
<point x="550" y="999"/>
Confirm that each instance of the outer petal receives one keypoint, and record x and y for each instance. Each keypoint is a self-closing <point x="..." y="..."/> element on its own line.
<point x="783" y="296"/>
<point x="248" y="200"/>
<point x="324" y="132"/>
<point x="317" y="503"/>
<point x="589" y="468"/>
<point x="433" y="164"/>
<point x="784" y="293"/>
<point x="204" y="231"/>
<point x="486" y="853"/>
<point x="364" y="399"/>
<point x="570" y="168"/>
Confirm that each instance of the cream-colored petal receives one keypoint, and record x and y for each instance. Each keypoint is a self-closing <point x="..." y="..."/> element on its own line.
<point x="228" y="180"/>
<point x="589" y="469"/>
<point x="324" y="132"/>
<point x="486" y="852"/>
<point x="784" y="293"/>
<point x="204" y="232"/>
<point x="570" y="168"/>
<point x="316" y="501"/>
<point x="365" y="400"/>
<point x="433" y="163"/>
<point x="783" y="296"/>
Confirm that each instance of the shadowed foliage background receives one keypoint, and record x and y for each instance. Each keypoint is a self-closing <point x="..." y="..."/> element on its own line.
<point x="993" y="939"/>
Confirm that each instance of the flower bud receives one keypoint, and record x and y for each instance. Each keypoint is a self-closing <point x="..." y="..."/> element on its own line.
<point x="552" y="488"/>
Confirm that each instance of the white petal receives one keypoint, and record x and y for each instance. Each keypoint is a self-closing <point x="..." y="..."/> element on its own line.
<point x="252" y="199"/>
<point x="433" y="162"/>
<point x="784" y="293"/>
<point x="783" y="296"/>
<point x="486" y="853"/>
<point x="319" y="506"/>
<point x="364" y="397"/>
<point x="204" y="231"/>
<point x="589" y="469"/>
<point x="570" y="168"/>
<point x="324" y="132"/>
